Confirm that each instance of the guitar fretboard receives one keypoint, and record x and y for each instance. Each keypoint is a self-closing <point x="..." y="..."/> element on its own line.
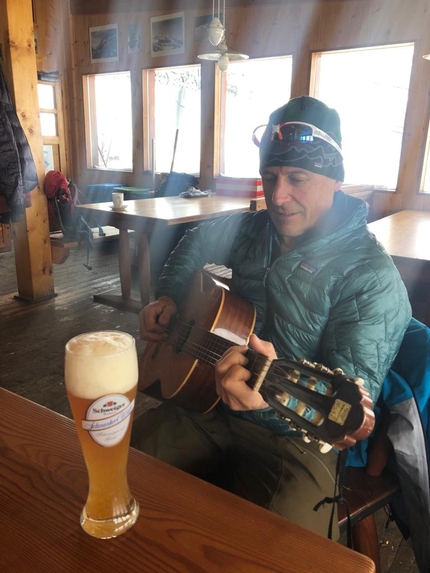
<point x="209" y="347"/>
<point x="203" y="345"/>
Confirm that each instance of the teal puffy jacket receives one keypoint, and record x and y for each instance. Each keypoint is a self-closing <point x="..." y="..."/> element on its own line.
<point x="336" y="298"/>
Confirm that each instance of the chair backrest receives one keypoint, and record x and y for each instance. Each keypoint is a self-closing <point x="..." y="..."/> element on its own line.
<point x="257" y="204"/>
<point x="380" y="447"/>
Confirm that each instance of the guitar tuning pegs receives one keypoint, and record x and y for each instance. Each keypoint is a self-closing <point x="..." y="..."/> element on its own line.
<point x="324" y="447"/>
<point x="338" y="371"/>
<point x="306" y="438"/>
<point x="279" y="415"/>
<point x="283" y="398"/>
<point x="359" y="381"/>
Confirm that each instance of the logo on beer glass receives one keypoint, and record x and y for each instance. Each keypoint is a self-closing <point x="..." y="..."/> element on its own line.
<point x="107" y="419"/>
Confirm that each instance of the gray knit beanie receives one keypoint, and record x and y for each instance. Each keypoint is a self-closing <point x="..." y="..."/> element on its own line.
<point x="315" y="154"/>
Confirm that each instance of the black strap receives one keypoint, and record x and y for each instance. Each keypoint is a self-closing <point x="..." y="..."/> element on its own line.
<point x="338" y="498"/>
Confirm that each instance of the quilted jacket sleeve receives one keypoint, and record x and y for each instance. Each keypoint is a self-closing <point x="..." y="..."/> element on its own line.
<point x="367" y="324"/>
<point x="207" y="243"/>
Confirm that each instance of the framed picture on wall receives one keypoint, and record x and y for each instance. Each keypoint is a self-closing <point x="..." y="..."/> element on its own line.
<point x="167" y="35"/>
<point x="104" y="43"/>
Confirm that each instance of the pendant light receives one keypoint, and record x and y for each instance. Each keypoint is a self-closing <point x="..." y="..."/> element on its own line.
<point x="216" y="36"/>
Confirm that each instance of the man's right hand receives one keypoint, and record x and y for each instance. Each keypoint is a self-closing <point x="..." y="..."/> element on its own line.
<point x="155" y="318"/>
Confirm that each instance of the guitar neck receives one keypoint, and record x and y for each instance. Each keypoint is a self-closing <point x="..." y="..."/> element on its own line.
<point x="344" y="409"/>
<point x="202" y="344"/>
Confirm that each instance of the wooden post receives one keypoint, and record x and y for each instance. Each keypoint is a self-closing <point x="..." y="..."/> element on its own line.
<point x="32" y="247"/>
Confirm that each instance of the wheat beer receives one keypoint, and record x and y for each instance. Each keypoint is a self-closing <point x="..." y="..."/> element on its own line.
<point x="101" y="378"/>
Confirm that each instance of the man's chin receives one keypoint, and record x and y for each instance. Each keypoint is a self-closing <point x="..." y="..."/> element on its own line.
<point x="290" y="227"/>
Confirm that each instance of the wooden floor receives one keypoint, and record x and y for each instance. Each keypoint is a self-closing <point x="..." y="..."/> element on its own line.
<point x="33" y="338"/>
<point x="34" y="335"/>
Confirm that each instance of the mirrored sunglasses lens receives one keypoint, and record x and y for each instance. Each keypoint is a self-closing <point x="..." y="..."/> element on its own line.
<point x="291" y="132"/>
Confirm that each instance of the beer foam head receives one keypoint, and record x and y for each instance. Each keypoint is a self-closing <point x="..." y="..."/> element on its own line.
<point x="100" y="363"/>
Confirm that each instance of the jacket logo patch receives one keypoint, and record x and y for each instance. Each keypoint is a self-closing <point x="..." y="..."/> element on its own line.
<point x="307" y="267"/>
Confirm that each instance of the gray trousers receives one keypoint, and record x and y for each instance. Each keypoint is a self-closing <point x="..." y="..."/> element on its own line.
<point x="283" y="474"/>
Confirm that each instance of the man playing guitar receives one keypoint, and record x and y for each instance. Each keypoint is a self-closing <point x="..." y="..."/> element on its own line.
<point x="322" y="288"/>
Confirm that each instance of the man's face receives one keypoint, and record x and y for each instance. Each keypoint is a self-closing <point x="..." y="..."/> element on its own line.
<point x="296" y="199"/>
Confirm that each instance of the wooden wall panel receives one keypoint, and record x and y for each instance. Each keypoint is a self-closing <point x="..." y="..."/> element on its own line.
<point x="48" y="26"/>
<point x="260" y="29"/>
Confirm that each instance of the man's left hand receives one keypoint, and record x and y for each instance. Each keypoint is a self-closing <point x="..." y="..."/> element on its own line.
<point x="231" y="376"/>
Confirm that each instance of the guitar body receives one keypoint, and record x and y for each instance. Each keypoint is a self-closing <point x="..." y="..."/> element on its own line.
<point x="175" y="363"/>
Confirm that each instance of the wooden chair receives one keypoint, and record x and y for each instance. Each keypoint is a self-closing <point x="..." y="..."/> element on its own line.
<point x="257" y="204"/>
<point x="366" y="490"/>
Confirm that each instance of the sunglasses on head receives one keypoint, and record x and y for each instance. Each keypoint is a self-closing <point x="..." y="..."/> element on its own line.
<point x="291" y="132"/>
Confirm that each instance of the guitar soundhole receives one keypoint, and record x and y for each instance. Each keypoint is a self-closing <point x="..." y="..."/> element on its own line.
<point x="184" y="332"/>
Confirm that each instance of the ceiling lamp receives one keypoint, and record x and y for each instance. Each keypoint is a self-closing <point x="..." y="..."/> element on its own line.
<point x="426" y="56"/>
<point x="216" y="31"/>
<point x="216" y="36"/>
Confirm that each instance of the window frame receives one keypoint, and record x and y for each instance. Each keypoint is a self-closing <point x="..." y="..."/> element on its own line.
<point x="90" y="121"/>
<point x="315" y="72"/>
<point x="148" y="103"/>
<point x="220" y="115"/>
<point x="425" y="162"/>
<point x="56" y="141"/>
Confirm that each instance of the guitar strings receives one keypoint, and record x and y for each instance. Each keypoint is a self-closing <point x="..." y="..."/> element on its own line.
<point x="201" y="343"/>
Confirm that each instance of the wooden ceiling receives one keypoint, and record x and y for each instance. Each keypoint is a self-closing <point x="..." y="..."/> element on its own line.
<point x="109" y="6"/>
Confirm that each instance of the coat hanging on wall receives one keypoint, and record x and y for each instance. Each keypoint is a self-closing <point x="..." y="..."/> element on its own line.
<point x="18" y="175"/>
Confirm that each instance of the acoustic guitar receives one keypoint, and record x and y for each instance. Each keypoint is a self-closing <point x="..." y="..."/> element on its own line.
<point x="326" y="405"/>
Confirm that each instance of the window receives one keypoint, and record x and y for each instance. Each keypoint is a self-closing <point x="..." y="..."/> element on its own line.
<point x="172" y="100"/>
<point x="248" y="98"/>
<point x="51" y="122"/>
<point x="108" y="121"/>
<point x="369" y="88"/>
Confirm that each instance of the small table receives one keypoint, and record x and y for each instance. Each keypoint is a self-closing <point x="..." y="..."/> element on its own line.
<point x="406" y="237"/>
<point x="184" y="525"/>
<point x="142" y="216"/>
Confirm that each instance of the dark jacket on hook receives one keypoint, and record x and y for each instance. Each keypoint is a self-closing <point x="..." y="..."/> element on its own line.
<point x="18" y="173"/>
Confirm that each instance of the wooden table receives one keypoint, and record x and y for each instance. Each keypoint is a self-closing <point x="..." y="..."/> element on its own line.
<point x="185" y="525"/>
<point x="142" y="216"/>
<point x="406" y="237"/>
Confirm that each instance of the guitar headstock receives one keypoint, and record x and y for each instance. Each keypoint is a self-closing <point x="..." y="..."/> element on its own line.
<point x="326" y="405"/>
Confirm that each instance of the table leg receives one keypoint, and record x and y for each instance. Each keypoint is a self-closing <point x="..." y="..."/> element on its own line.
<point x="144" y="263"/>
<point x="124" y="301"/>
<point x="124" y="264"/>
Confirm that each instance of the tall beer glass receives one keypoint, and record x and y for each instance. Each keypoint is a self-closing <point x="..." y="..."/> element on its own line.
<point x="101" y="379"/>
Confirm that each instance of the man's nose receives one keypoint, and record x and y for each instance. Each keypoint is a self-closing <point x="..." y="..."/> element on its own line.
<point x="282" y="193"/>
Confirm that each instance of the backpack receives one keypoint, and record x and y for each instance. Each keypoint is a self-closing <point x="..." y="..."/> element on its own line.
<point x="175" y="184"/>
<point x="63" y="196"/>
